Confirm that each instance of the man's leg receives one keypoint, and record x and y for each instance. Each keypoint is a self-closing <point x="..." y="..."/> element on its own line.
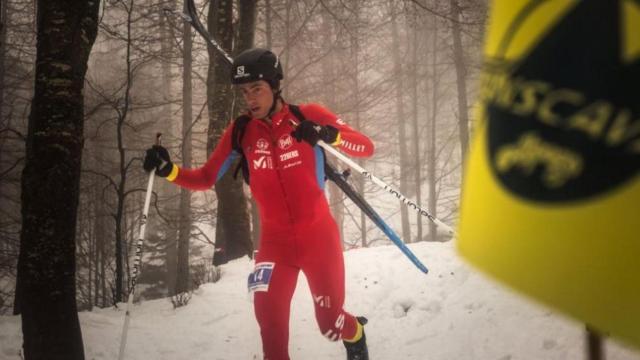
<point x="272" y="308"/>
<point x="323" y="265"/>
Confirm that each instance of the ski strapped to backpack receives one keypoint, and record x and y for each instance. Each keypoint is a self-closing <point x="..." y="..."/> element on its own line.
<point x="340" y="179"/>
<point x="239" y="127"/>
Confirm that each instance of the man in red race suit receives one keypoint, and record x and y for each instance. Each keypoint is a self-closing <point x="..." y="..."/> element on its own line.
<point x="286" y="177"/>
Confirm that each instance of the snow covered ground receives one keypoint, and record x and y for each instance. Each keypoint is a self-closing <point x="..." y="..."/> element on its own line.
<point x="454" y="313"/>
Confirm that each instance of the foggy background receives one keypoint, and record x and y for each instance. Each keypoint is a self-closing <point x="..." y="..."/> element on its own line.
<point x="401" y="72"/>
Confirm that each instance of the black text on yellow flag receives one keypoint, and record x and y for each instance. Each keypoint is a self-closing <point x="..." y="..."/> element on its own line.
<point x="551" y="198"/>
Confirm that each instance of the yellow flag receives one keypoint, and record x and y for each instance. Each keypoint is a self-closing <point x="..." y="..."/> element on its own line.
<point x="551" y="197"/>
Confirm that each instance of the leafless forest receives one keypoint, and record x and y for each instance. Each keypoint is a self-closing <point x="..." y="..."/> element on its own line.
<point x="400" y="71"/>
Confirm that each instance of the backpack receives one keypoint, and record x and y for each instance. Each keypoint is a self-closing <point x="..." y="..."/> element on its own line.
<point x="237" y="134"/>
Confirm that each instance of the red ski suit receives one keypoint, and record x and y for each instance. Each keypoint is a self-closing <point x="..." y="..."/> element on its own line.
<point x="298" y="231"/>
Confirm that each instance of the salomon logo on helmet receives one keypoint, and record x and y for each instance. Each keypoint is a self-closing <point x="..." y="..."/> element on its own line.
<point x="256" y="64"/>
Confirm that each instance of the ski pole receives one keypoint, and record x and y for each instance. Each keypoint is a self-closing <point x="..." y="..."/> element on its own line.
<point x="138" y="256"/>
<point x="191" y="16"/>
<point x="410" y="204"/>
<point x="341" y="182"/>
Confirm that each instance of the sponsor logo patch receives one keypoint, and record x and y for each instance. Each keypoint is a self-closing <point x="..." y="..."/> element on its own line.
<point x="289" y="155"/>
<point x="262" y="144"/>
<point x="240" y="73"/>
<point x="323" y="301"/>
<point x="263" y="162"/>
<point x="292" y="164"/>
<point x="336" y="333"/>
<point x="262" y="147"/>
<point x="285" y="141"/>
<point x="351" y="146"/>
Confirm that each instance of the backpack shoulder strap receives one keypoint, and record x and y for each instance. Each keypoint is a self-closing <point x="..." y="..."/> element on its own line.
<point x="295" y="110"/>
<point x="237" y="134"/>
<point x="239" y="127"/>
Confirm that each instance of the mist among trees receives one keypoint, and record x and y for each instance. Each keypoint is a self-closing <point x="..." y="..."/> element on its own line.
<point x="402" y="72"/>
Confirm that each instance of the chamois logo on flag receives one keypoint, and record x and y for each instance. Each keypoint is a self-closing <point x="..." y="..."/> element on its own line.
<point x="552" y="184"/>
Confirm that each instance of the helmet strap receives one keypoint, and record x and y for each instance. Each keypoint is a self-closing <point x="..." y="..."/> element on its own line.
<point x="276" y="96"/>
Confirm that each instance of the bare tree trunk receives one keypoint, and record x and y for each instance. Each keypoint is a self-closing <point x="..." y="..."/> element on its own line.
<point x="246" y="26"/>
<point x="99" y="232"/>
<point x="182" y="278"/>
<point x="244" y="41"/>
<point x="3" y="53"/>
<point x="91" y="239"/>
<point x="358" y="124"/>
<point x="336" y="201"/>
<point x="172" y="192"/>
<point x="402" y="136"/>
<point x="416" y="126"/>
<point x="287" y="45"/>
<point x="233" y="232"/>
<point x="336" y="197"/>
<point x="268" y="17"/>
<point x="431" y="161"/>
<point x="51" y="181"/>
<point x="122" y="165"/>
<point x="255" y="213"/>
<point x="461" y="81"/>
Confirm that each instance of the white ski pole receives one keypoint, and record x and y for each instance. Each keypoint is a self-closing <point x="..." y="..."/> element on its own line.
<point x="136" y="261"/>
<point x="409" y="203"/>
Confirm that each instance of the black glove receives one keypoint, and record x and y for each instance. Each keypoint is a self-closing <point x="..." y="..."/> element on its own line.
<point x="312" y="132"/>
<point x="158" y="157"/>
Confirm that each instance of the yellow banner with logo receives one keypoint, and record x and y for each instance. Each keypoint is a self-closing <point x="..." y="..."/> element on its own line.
<point x="551" y="196"/>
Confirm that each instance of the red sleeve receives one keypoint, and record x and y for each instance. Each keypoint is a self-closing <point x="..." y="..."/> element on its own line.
<point x="205" y="177"/>
<point x="352" y="142"/>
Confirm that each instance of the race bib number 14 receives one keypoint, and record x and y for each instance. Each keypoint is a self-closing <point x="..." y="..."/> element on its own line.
<point x="261" y="276"/>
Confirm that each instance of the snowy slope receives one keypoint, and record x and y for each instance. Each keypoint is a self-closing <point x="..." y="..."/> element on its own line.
<point x="452" y="313"/>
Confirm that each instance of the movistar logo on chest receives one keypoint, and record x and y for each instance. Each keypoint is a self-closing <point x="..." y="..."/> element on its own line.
<point x="262" y="147"/>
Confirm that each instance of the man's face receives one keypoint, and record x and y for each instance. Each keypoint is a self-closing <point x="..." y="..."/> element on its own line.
<point x="259" y="97"/>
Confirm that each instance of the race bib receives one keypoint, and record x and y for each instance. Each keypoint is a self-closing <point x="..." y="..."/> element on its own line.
<point x="261" y="276"/>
